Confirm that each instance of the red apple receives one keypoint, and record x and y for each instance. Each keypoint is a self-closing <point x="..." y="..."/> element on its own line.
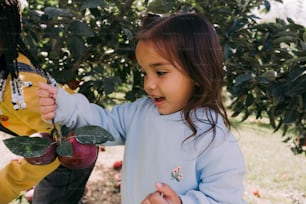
<point x="117" y="183"/>
<point x="117" y="165"/>
<point x="83" y="155"/>
<point x="50" y="152"/>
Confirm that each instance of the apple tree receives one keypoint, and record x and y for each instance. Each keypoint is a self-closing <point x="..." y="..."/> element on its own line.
<point x="88" y="45"/>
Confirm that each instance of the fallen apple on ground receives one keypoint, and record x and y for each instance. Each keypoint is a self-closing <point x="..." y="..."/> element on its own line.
<point x="49" y="154"/>
<point x="117" y="165"/>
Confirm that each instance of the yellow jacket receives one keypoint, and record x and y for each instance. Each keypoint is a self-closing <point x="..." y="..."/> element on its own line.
<point x="20" y="175"/>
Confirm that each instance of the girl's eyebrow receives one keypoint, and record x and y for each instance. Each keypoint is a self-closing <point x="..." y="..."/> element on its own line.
<point x="159" y="64"/>
<point x="154" y="65"/>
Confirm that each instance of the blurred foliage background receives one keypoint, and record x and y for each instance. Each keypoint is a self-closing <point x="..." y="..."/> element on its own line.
<point x="89" y="46"/>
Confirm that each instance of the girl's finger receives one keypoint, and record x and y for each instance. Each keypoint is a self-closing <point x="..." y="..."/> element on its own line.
<point x="48" y="116"/>
<point x="47" y="109"/>
<point x="146" y="201"/>
<point x="168" y="193"/>
<point x="46" y="88"/>
<point x="43" y="93"/>
<point x="46" y="101"/>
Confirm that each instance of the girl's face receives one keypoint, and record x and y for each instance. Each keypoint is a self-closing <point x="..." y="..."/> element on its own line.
<point x="168" y="86"/>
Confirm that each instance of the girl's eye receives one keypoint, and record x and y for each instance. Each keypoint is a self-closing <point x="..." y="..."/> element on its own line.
<point x="160" y="73"/>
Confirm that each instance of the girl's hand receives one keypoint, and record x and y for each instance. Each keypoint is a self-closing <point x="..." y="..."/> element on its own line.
<point x="47" y="106"/>
<point x="164" y="194"/>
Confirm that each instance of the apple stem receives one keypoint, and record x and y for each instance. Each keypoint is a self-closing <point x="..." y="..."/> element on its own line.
<point x="57" y="136"/>
<point x="52" y="143"/>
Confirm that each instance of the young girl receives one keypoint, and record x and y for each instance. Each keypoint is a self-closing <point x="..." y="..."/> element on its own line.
<point x="19" y="115"/>
<point x="178" y="146"/>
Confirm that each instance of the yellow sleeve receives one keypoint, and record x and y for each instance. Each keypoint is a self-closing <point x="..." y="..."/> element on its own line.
<point x="19" y="175"/>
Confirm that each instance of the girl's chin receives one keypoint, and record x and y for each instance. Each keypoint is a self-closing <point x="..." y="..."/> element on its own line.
<point x="166" y="112"/>
<point x="163" y="112"/>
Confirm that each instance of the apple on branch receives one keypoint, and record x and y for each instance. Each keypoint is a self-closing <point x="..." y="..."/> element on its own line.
<point x="49" y="154"/>
<point x="82" y="155"/>
<point x="38" y="148"/>
<point x="78" y="149"/>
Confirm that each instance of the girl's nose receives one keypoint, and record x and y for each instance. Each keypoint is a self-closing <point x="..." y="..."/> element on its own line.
<point x="150" y="83"/>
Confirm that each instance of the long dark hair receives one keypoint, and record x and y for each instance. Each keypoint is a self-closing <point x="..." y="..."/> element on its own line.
<point x="10" y="29"/>
<point x="11" y="45"/>
<point x="190" y="41"/>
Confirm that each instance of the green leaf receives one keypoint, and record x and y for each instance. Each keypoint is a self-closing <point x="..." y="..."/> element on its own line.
<point x="81" y="29"/>
<point x="296" y="60"/>
<point x="128" y="33"/>
<point x="64" y="130"/>
<point x="109" y="84"/>
<point x="290" y="116"/>
<point x="297" y="88"/>
<point x="304" y="36"/>
<point x="93" y="4"/>
<point x="92" y="135"/>
<point x="277" y="89"/>
<point x="271" y="119"/>
<point x="249" y="100"/>
<point x="160" y="6"/>
<point x="296" y="73"/>
<point x="244" y="78"/>
<point x="64" y="149"/>
<point x="27" y="146"/>
<point x="76" y="46"/>
<point x="226" y="51"/>
<point x="267" y="5"/>
<point x="56" y="12"/>
<point x="269" y="75"/>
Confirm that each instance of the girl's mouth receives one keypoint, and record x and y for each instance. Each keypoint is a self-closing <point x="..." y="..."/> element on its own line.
<point x="158" y="100"/>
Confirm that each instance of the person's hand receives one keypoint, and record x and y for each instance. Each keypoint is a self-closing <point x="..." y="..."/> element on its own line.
<point x="164" y="194"/>
<point x="47" y="106"/>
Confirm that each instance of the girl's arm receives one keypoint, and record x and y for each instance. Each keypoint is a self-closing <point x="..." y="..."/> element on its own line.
<point x="221" y="170"/>
<point x="74" y="110"/>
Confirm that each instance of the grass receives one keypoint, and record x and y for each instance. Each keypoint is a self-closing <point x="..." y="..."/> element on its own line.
<point x="273" y="170"/>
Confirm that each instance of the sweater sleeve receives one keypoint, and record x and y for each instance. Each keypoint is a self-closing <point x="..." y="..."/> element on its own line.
<point x="74" y="110"/>
<point x="20" y="175"/>
<point x="221" y="172"/>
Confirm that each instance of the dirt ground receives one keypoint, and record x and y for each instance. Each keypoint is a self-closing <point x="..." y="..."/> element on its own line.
<point x="102" y="184"/>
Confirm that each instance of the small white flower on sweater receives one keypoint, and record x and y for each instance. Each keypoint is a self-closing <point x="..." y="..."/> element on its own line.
<point x="177" y="174"/>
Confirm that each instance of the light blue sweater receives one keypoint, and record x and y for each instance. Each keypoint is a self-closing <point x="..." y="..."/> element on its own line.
<point x="154" y="147"/>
